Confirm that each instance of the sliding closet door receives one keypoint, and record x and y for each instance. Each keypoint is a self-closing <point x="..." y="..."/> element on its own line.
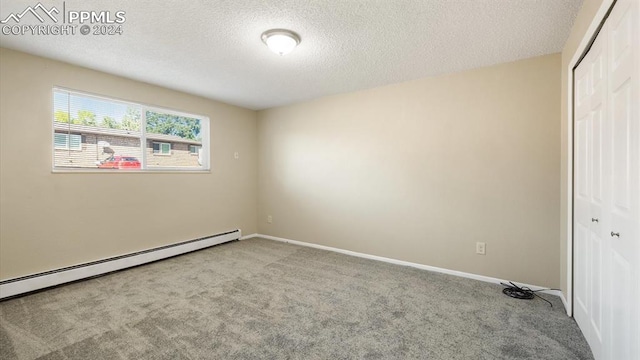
<point x="607" y="188"/>
<point x="624" y="114"/>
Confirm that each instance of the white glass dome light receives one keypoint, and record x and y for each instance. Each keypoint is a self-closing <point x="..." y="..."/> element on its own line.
<point x="280" y="41"/>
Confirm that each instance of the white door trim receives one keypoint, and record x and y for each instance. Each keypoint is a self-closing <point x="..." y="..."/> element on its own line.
<point x="568" y="201"/>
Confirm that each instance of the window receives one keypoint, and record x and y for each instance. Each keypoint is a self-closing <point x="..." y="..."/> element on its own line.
<point x="68" y="141"/>
<point x="93" y="132"/>
<point x="161" y="148"/>
<point x="194" y="149"/>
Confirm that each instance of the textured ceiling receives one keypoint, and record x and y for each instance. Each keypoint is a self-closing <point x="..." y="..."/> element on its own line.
<point x="213" y="48"/>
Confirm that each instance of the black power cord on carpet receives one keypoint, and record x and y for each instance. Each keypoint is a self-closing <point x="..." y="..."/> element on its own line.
<point x="522" y="292"/>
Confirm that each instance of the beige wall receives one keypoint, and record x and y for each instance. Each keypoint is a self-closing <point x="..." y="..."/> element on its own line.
<point x="420" y="171"/>
<point x="417" y="171"/>
<point x="580" y="27"/>
<point x="50" y="220"/>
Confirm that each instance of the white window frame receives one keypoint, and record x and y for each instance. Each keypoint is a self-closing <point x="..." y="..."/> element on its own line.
<point x="204" y="157"/>
<point x="160" y="153"/>
<point x="67" y="142"/>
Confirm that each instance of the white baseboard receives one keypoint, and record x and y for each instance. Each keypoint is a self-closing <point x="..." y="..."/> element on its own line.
<point x="249" y="236"/>
<point x="411" y="264"/>
<point x="25" y="284"/>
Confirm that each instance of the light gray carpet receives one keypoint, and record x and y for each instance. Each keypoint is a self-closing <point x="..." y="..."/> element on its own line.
<point x="259" y="299"/>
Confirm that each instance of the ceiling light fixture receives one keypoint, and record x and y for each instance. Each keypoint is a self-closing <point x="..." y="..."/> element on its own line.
<point x="280" y="41"/>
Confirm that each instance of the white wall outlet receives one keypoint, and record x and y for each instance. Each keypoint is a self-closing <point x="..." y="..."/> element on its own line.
<point x="269" y="219"/>
<point x="481" y="248"/>
<point x="236" y="155"/>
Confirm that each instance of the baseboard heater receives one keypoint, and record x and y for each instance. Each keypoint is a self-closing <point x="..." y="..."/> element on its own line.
<point x="25" y="284"/>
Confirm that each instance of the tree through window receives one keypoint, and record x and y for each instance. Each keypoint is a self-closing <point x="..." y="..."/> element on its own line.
<point x="90" y="131"/>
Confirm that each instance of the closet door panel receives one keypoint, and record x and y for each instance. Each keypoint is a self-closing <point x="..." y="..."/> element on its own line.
<point x="620" y="309"/>
<point x="607" y="187"/>
<point x="598" y="245"/>
<point x="624" y="103"/>
<point x="582" y="196"/>
<point x="581" y="277"/>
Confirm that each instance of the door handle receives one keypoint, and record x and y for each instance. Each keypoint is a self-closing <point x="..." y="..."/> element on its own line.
<point x="615" y="234"/>
<point x="594" y="220"/>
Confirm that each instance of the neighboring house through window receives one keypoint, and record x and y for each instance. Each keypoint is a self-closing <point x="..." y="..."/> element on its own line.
<point x="104" y="134"/>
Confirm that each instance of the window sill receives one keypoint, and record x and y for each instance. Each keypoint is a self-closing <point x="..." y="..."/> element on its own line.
<point x="127" y="171"/>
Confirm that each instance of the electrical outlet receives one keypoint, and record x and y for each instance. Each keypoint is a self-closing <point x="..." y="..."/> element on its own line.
<point x="269" y="219"/>
<point x="236" y="155"/>
<point x="481" y="248"/>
